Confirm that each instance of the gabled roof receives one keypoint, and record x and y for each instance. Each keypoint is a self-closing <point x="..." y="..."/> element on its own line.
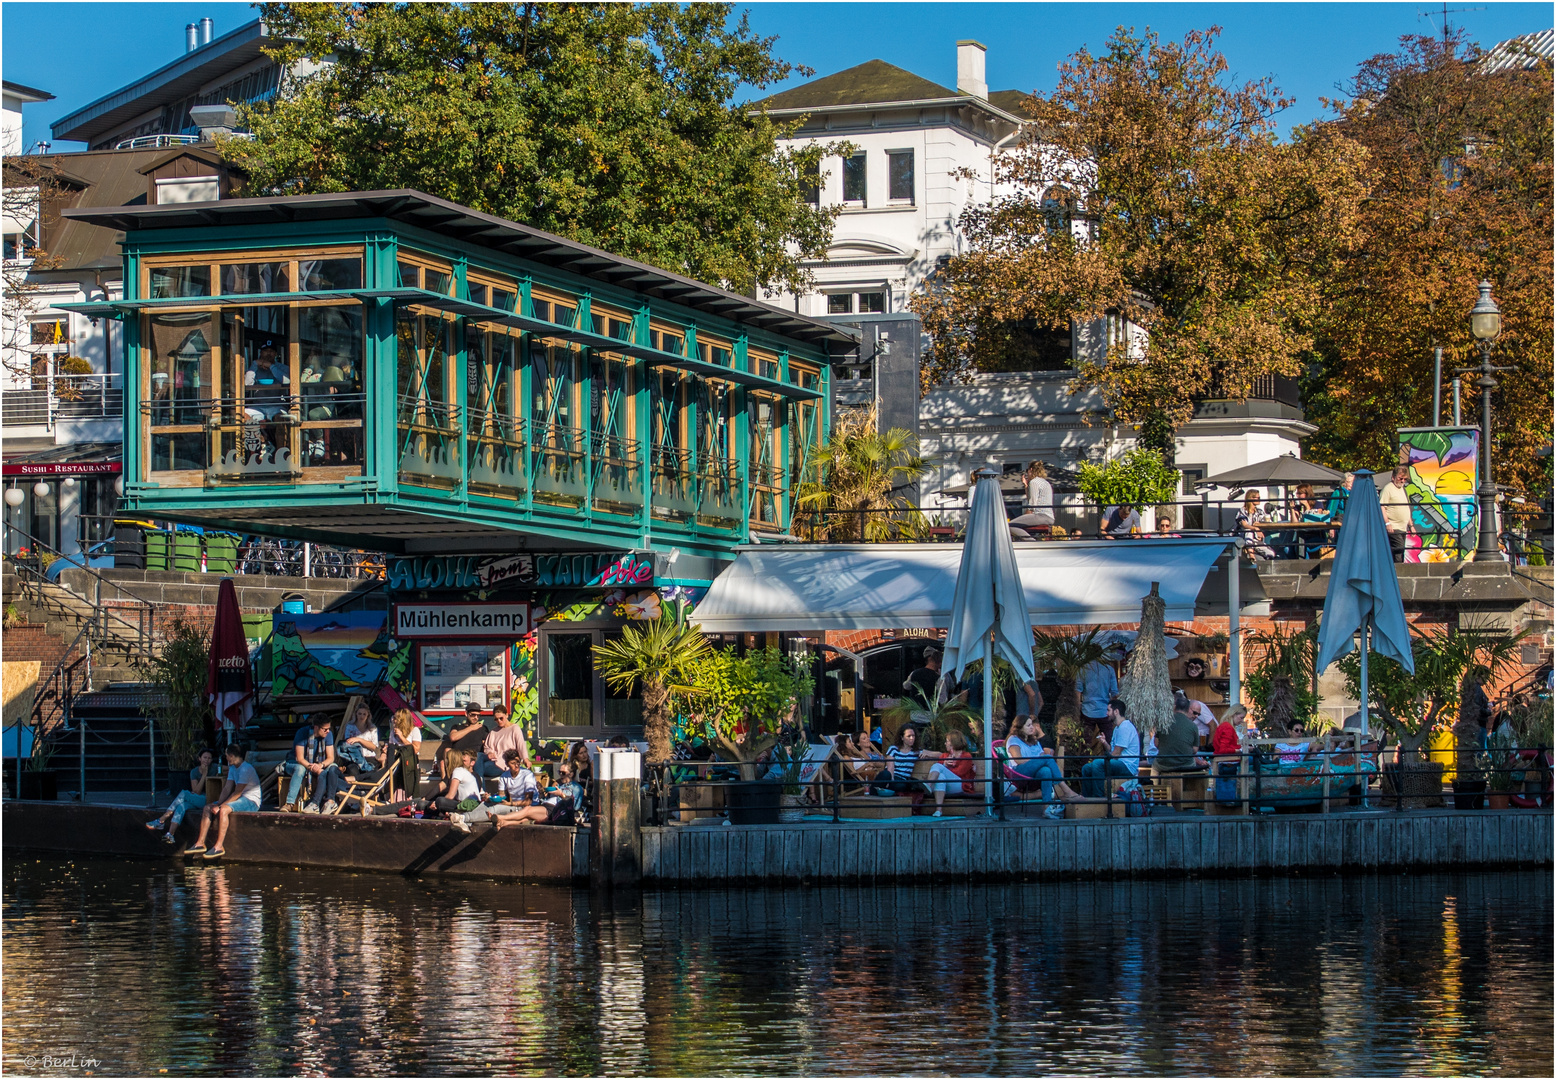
<point x="867" y="83"/>
<point x="207" y="156"/>
<point x="1010" y="101"/>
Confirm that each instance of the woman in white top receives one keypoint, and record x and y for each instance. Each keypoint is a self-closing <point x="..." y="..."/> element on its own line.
<point x="458" y="781"/>
<point x="1039" y="506"/>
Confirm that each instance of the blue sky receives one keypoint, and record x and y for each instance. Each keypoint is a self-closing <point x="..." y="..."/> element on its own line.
<point x="1308" y="48"/>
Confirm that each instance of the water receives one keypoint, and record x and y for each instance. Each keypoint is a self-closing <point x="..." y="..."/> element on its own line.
<point x="146" y="967"/>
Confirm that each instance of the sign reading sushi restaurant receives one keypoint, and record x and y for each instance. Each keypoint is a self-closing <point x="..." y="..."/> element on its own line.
<point x="461" y="620"/>
<point x="596" y="570"/>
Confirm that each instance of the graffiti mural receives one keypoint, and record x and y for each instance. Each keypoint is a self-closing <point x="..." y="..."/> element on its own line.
<point x="329" y="653"/>
<point x="1444" y="472"/>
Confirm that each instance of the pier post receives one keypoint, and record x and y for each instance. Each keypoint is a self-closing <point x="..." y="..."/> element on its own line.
<point x="616" y="848"/>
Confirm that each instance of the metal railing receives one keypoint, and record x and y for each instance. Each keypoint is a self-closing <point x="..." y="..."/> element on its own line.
<point x="1261" y="782"/>
<point x="64" y="397"/>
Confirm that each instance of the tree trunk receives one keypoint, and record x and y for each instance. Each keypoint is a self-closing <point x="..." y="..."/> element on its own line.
<point x="656" y="720"/>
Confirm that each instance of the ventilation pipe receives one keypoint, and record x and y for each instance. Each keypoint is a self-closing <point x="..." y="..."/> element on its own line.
<point x="191" y="37"/>
<point x="207" y="27"/>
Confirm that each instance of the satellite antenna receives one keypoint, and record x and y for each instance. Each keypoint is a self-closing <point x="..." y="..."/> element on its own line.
<point x="1444" y="13"/>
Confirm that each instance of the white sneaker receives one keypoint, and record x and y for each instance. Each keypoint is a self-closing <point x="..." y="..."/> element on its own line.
<point x="309" y="808"/>
<point x="459" y="822"/>
<point x="937" y="813"/>
<point x="329" y="806"/>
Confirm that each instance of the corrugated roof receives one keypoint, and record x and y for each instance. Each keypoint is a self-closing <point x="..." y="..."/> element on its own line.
<point x="461" y="224"/>
<point x="866" y="83"/>
<point x="1521" y="52"/>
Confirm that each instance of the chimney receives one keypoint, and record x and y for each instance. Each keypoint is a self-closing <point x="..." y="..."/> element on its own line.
<point x="206" y="29"/>
<point x="191" y="38"/>
<point x="969" y="70"/>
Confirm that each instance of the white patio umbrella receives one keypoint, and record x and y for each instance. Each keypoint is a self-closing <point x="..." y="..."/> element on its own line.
<point x="1363" y="591"/>
<point x="989" y="616"/>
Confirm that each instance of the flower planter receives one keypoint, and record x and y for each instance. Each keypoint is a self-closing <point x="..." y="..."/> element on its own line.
<point x="753" y="802"/>
<point x="791" y="810"/>
<point x="1498" y="800"/>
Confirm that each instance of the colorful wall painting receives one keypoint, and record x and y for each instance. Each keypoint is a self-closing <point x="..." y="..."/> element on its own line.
<point x="1444" y="472"/>
<point x="330" y="653"/>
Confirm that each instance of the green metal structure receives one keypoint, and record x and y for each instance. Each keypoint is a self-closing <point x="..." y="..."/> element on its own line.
<point x="393" y="371"/>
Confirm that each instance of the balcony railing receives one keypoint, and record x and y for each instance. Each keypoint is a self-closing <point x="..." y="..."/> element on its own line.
<point x="65" y="398"/>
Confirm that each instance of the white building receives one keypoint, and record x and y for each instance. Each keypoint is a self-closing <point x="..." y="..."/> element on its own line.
<point x="901" y="199"/>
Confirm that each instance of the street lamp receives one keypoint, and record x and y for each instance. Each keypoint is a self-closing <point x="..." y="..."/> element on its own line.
<point x="1485" y="325"/>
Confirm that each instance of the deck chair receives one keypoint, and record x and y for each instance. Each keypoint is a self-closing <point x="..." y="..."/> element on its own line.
<point x="852" y="776"/>
<point x="369" y="790"/>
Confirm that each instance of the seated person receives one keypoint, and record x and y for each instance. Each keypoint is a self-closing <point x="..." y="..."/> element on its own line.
<point x="952" y="774"/>
<point x="1292" y="752"/>
<point x="1123" y="753"/>
<point x="239" y="795"/>
<point x="313" y="754"/>
<point x="516" y="788"/>
<point x="471" y="735"/>
<point x="550" y="810"/>
<point x="359" y="741"/>
<point x="458" y="782"/>
<point x="1175" y="744"/>
<point x="1226" y="738"/>
<point x="901" y="760"/>
<point x="193" y="799"/>
<point x="1029" y="757"/>
<point x="862" y="756"/>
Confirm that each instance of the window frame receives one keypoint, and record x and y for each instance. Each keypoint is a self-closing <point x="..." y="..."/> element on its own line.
<point x="911" y="198"/>
<point x="862" y="160"/>
<point x="545" y="727"/>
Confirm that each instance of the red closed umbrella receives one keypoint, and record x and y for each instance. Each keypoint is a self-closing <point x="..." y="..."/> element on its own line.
<point x="229" y="686"/>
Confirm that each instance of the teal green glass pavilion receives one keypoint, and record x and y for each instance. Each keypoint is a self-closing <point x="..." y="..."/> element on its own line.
<point x="393" y="371"/>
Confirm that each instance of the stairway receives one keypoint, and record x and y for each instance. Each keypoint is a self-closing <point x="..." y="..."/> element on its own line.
<point x="116" y="641"/>
<point x="118" y="755"/>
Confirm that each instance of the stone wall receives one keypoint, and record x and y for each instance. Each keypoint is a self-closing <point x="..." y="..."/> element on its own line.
<point x="256" y="592"/>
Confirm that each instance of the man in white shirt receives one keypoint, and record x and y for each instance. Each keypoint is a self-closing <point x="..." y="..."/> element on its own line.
<point x="1395" y="501"/>
<point x="1122" y="757"/>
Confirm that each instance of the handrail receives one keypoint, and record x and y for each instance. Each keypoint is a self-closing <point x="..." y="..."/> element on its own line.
<point x="144" y="628"/>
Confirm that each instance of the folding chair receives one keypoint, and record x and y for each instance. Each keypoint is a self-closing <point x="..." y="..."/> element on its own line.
<point x="370" y="790"/>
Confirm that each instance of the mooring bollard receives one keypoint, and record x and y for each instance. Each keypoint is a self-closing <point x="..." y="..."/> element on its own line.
<point x="616" y="847"/>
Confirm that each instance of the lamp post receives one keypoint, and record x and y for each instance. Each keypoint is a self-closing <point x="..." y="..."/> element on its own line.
<point x="1485" y="325"/>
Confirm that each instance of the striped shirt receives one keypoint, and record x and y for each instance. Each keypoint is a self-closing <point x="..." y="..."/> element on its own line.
<point x="902" y="762"/>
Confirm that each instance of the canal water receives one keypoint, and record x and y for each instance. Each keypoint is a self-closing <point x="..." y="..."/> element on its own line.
<point x="141" y="968"/>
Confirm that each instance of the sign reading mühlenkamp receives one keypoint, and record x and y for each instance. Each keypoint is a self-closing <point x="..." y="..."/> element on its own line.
<point x="461" y="620"/>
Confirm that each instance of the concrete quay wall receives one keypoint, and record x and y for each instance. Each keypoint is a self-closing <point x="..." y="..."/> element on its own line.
<point x="956" y="850"/>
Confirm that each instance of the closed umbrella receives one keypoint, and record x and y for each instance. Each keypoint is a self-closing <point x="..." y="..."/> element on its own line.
<point x="229" y="684"/>
<point x="1363" y="591"/>
<point x="989" y="616"/>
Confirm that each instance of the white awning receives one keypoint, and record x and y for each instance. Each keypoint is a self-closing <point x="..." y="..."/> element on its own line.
<point x="809" y="587"/>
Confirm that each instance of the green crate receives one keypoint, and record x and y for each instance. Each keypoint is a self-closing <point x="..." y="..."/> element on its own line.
<point x="186" y="552"/>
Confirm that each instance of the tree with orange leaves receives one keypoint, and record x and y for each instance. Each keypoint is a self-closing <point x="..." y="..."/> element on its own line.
<point x="1191" y="220"/>
<point x="1459" y="189"/>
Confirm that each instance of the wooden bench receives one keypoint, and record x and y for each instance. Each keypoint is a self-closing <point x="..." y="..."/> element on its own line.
<point x="1187" y="789"/>
<point x="1082" y="809"/>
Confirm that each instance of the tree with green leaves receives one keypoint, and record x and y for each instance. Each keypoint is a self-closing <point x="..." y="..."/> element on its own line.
<point x="611" y="124"/>
<point x="745" y="700"/>
<point x="657" y="657"/>
<point x="1140" y="478"/>
<point x="855" y="483"/>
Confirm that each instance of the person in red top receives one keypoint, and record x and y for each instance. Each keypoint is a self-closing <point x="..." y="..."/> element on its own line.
<point x="1224" y="740"/>
<point x="952" y="774"/>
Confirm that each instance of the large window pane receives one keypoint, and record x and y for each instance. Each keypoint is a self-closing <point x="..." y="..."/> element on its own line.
<point x="899" y="164"/>
<point x="180" y="378"/>
<point x="241" y="279"/>
<point x="170" y="281"/>
<point x="330" y="344"/>
<point x="854" y="179"/>
<point x="570" y="679"/>
<point x="316" y="275"/>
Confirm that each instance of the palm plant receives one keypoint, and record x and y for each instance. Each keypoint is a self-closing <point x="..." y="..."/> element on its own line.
<point x="853" y="481"/>
<point x="178" y="675"/>
<point x="1068" y="656"/>
<point x="658" y="657"/>
<point x="1280" y="682"/>
<point x="1411" y="705"/>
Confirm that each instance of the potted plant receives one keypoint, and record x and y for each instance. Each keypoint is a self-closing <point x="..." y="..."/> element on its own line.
<point x="39" y="782"/>
<point x="1411" y="705"/>
<point x="788" y="761"/>
<point x="1501" y="750"/>
<point x="177" y="701"/>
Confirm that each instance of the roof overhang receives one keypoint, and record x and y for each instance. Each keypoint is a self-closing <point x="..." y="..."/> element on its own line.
<point x="167" y="84"/>
<point x="810" y="587"/>
<point x="957" y="101"/>
<point x="464" y="225"/>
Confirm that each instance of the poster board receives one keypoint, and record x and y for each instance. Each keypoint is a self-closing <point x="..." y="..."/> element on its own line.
<point x="452" y="674"/>
<point x="1444" y="468"/>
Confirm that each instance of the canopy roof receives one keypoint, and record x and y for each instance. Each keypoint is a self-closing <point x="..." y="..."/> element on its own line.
<point x="1286" y="470"/>
<point x="809" y="587"/>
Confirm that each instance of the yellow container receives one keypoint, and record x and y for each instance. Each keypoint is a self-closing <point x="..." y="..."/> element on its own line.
<point x="1441" y="749"/>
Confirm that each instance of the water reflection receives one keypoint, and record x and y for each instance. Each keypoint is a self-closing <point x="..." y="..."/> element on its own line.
<point x="271" y="971"/>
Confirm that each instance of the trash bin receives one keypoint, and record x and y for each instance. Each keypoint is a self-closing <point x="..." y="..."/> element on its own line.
<point x="156" y="550"/>
<point x="186" y="552"/>
<point x="221" y="553"/>
<point x="129" y="546"/>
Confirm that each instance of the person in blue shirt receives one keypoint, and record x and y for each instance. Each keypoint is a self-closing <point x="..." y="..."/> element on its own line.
<point x="1121" y="755"/>
<point x="313" y="753"/>
<point x="1097" y="685"/>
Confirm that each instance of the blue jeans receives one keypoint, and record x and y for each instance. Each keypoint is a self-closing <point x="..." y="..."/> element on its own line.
<point x="486" y="768"/>
<point x="1093" y="772"/>
<point x="325" y="786"/>
<point x="351" y="752"/>
<point x="186" y="801"/>
<point x="1042" y="768"/>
